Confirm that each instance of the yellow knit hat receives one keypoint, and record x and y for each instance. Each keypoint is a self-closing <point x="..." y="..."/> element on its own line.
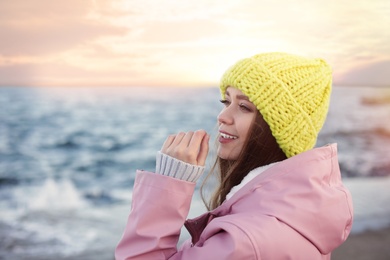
<point x="291" y="92"/>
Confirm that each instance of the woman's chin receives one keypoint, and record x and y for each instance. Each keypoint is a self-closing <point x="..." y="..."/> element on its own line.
<point x="227" y="155"/>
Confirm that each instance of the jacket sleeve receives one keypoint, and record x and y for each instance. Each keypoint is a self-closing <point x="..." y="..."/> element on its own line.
<point x="159" y="208"/>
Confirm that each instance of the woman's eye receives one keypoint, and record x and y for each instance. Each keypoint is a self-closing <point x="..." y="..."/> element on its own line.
<point x="225" y="102"/>
<point x="245" y="108"/>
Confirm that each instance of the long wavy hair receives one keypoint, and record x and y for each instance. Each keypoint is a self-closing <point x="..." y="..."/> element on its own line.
<point x="259" y="149"/>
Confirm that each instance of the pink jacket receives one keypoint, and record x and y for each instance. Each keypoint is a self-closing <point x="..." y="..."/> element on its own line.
<point x="297" y="209"/>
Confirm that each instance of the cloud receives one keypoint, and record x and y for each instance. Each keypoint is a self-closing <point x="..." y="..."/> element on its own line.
<point x="178" y="42"/>
<point x="45" y="27"/>
<point x="61" y="74"/>
<point x="184" y="31"/>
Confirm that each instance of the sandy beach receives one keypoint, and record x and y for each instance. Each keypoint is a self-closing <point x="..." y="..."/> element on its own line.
<point x="369" y="245"/>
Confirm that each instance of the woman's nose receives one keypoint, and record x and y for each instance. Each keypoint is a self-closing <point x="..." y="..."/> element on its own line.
<point x="225" y="116"/>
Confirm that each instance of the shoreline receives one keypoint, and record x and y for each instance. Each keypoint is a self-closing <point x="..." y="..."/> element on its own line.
<point x="369" y="244"/>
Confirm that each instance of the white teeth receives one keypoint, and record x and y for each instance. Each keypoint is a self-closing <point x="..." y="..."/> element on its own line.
<point x="228" y="136"/>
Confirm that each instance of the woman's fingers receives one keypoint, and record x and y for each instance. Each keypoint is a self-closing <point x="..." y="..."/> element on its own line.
<point x="179" y="137"/>
<point x="204" y="150"/>
<point x="197" y="148"/>
<point x="190" y="147"/>
<point x="180" y="148"/>
<point x="172" y="142"/>
<point x="168" y="142"/>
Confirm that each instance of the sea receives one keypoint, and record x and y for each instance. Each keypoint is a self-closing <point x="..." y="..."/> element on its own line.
<point x="68" y="158"/>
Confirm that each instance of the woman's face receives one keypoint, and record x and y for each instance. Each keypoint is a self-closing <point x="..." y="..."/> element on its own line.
<point x="235" y="121"/>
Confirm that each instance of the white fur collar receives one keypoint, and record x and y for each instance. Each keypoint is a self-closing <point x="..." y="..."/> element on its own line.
<point x="250" y="176"/>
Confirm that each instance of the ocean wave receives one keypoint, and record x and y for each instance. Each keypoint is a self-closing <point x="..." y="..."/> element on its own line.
<point x="100" y="198"/>
<point x="7" y="181"/>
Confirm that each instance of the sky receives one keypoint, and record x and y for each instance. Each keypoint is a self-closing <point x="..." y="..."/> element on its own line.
<point x="185" y="42"/>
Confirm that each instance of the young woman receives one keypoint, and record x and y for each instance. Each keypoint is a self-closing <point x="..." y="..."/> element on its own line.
<point x="278" y="197"/>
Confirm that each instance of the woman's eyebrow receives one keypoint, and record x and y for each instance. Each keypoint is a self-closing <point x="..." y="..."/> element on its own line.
<point x="242" y="97"/>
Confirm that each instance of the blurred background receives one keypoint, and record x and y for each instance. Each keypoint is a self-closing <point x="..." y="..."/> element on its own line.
<point x="89" y="90"/>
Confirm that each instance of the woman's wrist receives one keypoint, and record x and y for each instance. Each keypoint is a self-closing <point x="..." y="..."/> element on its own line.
<point x="170" y="166"/>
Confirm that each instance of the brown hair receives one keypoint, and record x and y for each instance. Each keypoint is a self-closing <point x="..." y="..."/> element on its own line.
<point x="259" y="149"/>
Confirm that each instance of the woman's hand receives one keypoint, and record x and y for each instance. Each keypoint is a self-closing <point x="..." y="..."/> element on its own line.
<point x="190" y="147"/>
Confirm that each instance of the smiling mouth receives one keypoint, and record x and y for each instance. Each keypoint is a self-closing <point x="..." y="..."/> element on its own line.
<point x="226" y="136"/>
